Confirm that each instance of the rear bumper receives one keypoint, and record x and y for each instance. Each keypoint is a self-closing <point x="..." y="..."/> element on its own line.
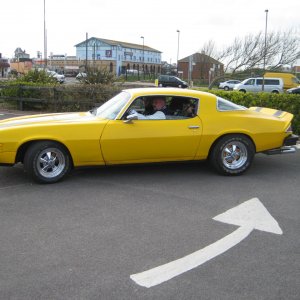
<point x="291" y="140"/>
<point x="287" y="148"/>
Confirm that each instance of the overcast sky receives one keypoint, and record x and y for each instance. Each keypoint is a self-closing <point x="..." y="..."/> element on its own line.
<point x="67" y="21"/>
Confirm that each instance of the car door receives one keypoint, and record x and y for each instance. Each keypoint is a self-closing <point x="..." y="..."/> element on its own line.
<point x="151" y="140"/>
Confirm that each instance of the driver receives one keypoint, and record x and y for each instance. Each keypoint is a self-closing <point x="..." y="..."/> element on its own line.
<point x="159" y="108"/>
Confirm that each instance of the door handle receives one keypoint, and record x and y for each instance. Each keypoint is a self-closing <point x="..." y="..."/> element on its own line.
<point x="193" y="127"/>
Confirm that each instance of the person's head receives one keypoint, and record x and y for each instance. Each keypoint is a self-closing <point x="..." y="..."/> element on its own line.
<point x="159" y="103"/>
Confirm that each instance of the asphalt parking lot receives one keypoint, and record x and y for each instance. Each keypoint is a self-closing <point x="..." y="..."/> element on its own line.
<point x="93" y="235"/>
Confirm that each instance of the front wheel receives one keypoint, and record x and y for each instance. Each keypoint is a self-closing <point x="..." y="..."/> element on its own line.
<point x="232" y="154"/>
<point x="47" y="161"/>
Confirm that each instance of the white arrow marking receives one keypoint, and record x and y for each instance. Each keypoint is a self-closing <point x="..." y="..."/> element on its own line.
<point x="249" y="215"/>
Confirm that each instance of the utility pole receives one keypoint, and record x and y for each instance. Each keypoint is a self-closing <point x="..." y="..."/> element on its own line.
<point x="143" y="56"/>
<point x="45" y="37"/>
<point x="178" y="31"/>
<point x="86" y="51"/>
<point x="265" y="50"/>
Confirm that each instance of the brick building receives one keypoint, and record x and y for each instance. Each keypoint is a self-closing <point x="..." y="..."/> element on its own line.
<point x="200" y="67"/>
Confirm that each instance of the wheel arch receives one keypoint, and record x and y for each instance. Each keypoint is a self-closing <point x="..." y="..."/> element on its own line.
<point x="230" y="134"/>
<point x="24" y="147"/>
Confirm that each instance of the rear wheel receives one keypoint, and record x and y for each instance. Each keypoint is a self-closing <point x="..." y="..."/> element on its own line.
<point x="232" y="154"/>
<point x="47" y="162"/>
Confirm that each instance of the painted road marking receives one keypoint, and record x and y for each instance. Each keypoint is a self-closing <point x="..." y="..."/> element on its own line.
<point x="249" y="215"/>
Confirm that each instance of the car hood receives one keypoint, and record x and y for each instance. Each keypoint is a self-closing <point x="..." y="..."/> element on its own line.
<point x="47" y="119"/>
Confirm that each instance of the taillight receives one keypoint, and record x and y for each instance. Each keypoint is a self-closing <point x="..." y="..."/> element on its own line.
<point x="289" y="129"/>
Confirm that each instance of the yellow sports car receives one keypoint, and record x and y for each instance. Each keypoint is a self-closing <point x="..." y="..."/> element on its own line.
<point x="146" y="125"/>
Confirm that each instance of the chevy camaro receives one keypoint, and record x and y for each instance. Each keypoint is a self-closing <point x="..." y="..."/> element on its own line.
<point x="196" y="126"/>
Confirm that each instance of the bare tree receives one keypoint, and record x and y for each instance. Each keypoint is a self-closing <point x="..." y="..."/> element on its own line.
<point x="209" y="48"/>
<point x="249" y="52"/>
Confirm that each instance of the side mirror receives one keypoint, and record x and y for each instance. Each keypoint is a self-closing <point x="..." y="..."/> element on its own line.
<point x="129" y="118"/>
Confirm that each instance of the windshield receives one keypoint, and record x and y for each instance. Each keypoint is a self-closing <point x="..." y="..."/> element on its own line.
<point x="111" y="108"/>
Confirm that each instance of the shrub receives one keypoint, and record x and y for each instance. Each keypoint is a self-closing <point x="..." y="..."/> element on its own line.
<point x="102" y="76"/>
<point x="37" y="76"/>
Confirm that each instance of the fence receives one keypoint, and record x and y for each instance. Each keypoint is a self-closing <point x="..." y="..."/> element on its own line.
<point x="62" y="98"/>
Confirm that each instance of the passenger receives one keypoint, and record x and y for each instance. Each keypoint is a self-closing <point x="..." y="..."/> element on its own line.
<point x="189" y="110"/>
<point x="176" y="106"/>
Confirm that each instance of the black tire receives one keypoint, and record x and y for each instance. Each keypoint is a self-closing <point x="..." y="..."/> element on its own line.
<point x="47" y="162"/>
<point x="226" y="88"/>
<point x="232" y="154"/>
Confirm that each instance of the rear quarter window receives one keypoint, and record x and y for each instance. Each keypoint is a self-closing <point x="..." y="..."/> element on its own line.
<point x="226" y="105"/>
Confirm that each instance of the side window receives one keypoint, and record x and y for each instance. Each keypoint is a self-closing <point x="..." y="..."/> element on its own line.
<point x="138" y="105"/>
<point x="176" y="107"/>
<point x="273" y="82"/>
<point x="259" y="81"/>
<point x="182" y="108"/>
<point x="250" y="82"/>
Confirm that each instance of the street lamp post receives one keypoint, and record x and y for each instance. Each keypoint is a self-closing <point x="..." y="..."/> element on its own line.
<point x="178" y="31"/>
<point x="45" y="37"/>
<point x="143" y="56"/>
<point x="265" y="50"/>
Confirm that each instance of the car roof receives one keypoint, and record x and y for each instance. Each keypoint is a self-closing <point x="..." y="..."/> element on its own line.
<point x="168" y="91"/>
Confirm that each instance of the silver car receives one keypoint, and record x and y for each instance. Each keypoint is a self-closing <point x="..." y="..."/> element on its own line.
<point x="59" y="77"/>
<point x="228" y="85"/>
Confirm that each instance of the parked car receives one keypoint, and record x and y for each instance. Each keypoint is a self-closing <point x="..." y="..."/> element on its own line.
<point x="228" y="85"/>
<point x="171" y="81"/>
<point x="133" y="72"/>
<point x="254" y="85"/>
<point x="295" y="90"/>
<point x="81" y="76"/>
<point x="59" y="77"/>
<point x="227" y="134"/>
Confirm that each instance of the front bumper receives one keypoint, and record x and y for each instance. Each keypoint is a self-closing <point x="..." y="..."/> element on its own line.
<point x="289" y="146"/>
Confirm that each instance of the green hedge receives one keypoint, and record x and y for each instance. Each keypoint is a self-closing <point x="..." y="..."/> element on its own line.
<point x="81" y="97"/>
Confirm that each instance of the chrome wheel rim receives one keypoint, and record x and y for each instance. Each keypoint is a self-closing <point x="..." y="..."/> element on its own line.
<point x="51" y="163"/>
<point x="234" y="155"/>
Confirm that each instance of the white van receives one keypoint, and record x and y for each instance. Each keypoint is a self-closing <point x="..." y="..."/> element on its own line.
<point x="254" y="85"/>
